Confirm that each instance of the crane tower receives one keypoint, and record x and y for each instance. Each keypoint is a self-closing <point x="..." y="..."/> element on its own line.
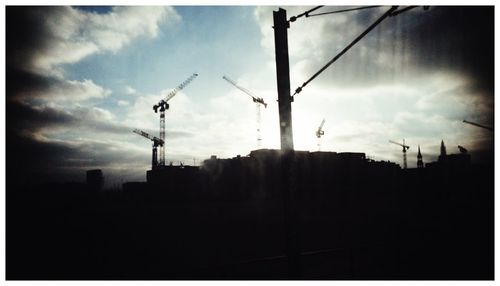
<point x="156" y="142"/>
<point x="162" y="105"/>
<point x="405" y="147"/>
<point x="258" y="102"/>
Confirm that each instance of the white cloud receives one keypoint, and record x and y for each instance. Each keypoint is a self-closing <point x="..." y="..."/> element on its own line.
<point x="93" y="113"/>
<point x="130" y="90"/>
<point x="141" y="114"/>
<point x="123" y="103"/>
<point x="74" y="34"/>
<point x="58" y="121"/>
<point x="67" y="91"/>
<point x="225" y="126"/>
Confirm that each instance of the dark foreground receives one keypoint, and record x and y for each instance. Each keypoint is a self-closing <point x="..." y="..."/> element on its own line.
<point x="418" y="226"/>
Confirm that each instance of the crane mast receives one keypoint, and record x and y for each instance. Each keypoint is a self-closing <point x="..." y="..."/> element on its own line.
<point x="258" y="102"/>
<point x="156" y="142"/>
<point x="319" y="133"/>
<point x="163" y="105"/>
<point x="405" y="147"/>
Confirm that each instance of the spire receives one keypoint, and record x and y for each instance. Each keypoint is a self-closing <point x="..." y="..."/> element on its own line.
<point x="442" y="156"/>
<point x="443" y="148"/>
<point x="420" y="163"/>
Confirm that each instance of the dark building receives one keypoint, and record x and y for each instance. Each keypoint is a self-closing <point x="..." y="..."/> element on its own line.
<point x="355" y="218"/>
<point x="176" y="181"/>
<point x="420" y="163"/>
<point x="442" y="153"/>
<point x="95" y="179"/>
<point x="455" y="163"/>
<point x="134" y="187"/>
<point x="257" y="176"/>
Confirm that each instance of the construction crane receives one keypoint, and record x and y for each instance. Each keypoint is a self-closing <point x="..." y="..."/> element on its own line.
<point x="405" y="147"/>
<point x="479" y="125"/>
<point x="157" y="142"/>
<point x="319" y="133"/>
<point x="258" y="102"/>
<point x="162" y="106"/>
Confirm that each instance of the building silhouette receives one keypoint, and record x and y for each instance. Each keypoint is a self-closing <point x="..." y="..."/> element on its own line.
<point x="356" y="218"/>
<point x="95" y="179"/>
<point x="442" y="154"/>
<point x="420" y="163"/>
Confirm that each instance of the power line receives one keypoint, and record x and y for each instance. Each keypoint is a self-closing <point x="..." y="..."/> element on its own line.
<point x="385" y="15"/>
<point x="404" y="10"/>
<point x="306" y="13"/>
<point x="390" y="13"/>
<point x="344" y="10"/>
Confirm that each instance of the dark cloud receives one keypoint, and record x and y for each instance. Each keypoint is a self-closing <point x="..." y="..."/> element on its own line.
<point x="23" y="117"/>
<point x="20" y="81"/>
<point x="43" y="38"/>
<point x="456" y="39"/>
<point x="60" y="160"/>
<point x="33" y="161"/>
<point x="168" y="133"/>
<point x="25" y="33"/>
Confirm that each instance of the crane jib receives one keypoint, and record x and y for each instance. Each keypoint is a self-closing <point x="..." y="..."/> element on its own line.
<point x="180" y="87"/>
<point x="254" y="98"/>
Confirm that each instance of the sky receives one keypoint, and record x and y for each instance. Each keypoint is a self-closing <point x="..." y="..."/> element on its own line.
<point x="80" y="79"/>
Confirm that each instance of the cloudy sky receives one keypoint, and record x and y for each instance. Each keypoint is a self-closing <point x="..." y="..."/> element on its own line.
<point x="80" y="79"/>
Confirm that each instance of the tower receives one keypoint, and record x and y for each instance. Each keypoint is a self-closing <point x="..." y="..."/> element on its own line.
<point x="405" y="147"/>
<point x="442" y="155"/>
<point x="420" y="163"/>
<point x="163" y="106"/>
<point x="258" y="102"/>
<point x="443" y="149"/>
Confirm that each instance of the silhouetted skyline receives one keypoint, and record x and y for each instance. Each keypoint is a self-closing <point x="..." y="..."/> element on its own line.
<point x="353" y="218"/>
<point x="87" y="198"/>
<point x="78" y="84"/>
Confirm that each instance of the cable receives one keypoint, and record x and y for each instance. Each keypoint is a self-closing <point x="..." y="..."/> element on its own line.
<point x="402" y="10"/>
<point x="293" y="18"/>
<point x="345" y="10"/>
<point x="385" y="15"/>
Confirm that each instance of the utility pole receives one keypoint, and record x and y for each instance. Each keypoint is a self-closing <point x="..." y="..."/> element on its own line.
<point x="283" y="75"/>
<point x="288" y="165"/>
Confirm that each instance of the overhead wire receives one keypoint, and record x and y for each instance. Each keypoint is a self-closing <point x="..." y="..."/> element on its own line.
<point x="293" y="18"/>
<point x="385" y="15"/>
<point x="344" y="10"/>
<point x="389" y="13"/>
